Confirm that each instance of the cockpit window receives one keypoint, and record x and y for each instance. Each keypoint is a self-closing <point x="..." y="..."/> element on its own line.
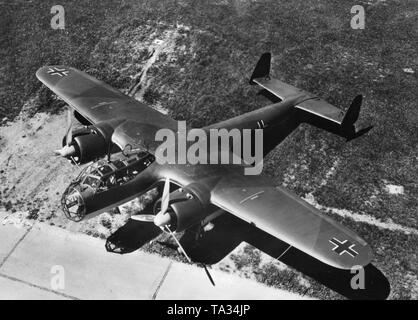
<point x="95" y="172"/>
<point x="92" y="181"/>
<point x="118" y="164"/>
<point x="142" y="154"/>
<point x="105" y="169"/>
<point x="103" y="175"/>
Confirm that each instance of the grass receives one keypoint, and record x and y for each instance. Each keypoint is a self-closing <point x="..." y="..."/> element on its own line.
<point x="206" y="80"/>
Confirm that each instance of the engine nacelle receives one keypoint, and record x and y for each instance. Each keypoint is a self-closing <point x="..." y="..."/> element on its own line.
<point x="89" y="147"/>
<point x="185" y="209"/>
<point x="91" y="142"/>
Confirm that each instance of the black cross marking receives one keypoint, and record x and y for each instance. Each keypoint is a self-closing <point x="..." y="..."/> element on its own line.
<point x="345" y="246"/>
<point x="57" y="71"/>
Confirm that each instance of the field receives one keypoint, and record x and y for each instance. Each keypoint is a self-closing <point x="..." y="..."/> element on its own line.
<point x="193" y="59"/>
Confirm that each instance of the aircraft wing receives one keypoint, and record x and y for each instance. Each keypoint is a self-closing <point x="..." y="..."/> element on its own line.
<point x="287" y="217"/>
<point x="98" y="102"/>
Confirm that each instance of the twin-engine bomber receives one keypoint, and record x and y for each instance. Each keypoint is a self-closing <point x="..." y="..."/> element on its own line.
<point x="119" y="137"/>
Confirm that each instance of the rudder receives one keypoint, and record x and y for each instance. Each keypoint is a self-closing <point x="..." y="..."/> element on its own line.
<point x="262" y="69"/>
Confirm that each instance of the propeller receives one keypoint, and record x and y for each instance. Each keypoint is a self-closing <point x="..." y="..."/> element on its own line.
<point x="68" y="150"/>
<point x="69" y="133"/>
<point x="164" y="200"/>
<point x="162" y="220"/>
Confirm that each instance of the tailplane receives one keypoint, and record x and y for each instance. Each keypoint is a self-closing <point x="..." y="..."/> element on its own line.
<point x="311" y="108"/>
<point x="325" y="116"/>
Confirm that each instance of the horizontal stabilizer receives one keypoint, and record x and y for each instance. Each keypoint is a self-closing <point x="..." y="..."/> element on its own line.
<point x="333" y="119"/>
<point x="280" y="89"/>
<point x="319" y="107"/>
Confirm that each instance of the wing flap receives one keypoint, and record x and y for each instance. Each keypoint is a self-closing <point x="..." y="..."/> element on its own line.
<point x="289" y="218"/>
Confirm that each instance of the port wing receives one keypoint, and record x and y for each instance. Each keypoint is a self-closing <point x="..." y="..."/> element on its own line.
<point x="98" y="102"/>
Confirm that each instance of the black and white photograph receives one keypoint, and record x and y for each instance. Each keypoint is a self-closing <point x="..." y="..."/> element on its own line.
<point x="208" y="150"/>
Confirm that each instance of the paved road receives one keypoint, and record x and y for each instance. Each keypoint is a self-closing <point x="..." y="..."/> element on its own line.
<point x="34" y="258"/>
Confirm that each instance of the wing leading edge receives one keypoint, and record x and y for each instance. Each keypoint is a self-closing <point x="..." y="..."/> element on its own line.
<point x="287" y="217"/>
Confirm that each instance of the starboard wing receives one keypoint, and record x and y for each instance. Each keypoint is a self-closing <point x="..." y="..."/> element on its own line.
<point x="289" y="218"/>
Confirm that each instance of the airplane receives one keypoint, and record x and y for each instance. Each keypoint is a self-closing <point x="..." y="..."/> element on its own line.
<point x="118" y="137"/>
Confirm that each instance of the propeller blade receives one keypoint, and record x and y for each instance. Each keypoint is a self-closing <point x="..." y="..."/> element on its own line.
<point x="69" y="134"/>
<point x="178" y="243"/>
<point x="187" y="257"/>
<point x="208" y="274"/>
<point x="166" y="196"/>
<point x="143" y="217"/>
<point x="161" y="219"/>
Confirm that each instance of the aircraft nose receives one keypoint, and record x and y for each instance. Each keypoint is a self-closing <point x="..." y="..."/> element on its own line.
<point x="162" y="219"/>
